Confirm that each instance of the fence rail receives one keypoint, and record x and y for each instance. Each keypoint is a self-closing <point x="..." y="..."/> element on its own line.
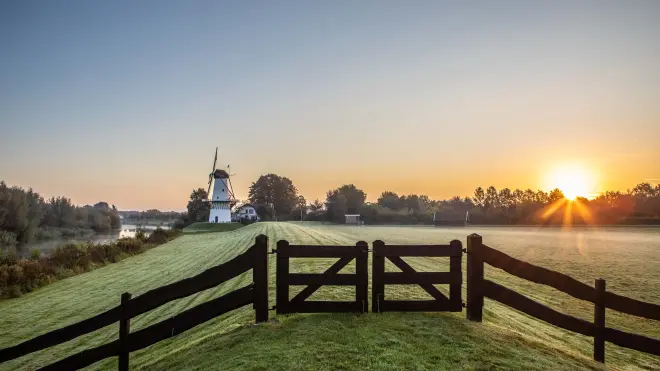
<point x="255" y="258"/>
<point x="478" y="288"/>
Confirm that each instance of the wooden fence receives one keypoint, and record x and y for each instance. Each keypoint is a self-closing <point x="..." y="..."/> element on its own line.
<point x="478" y="288"/>
<point x="408" y="276"/>
<point x="255" y="258"/>
<point x="313" y="281"/>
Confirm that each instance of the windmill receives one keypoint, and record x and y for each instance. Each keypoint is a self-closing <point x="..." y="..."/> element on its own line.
<point x="222" y="199"/>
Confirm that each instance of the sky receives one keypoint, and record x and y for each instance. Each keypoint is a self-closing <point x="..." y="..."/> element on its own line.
<point x="125" y="101"/>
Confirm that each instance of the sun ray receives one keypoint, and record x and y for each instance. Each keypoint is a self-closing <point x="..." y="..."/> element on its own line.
<point x="584" y="212"/>
<point x="552" y="208"/>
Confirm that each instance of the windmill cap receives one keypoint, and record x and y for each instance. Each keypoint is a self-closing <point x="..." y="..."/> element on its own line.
<point x="220" y="174"/>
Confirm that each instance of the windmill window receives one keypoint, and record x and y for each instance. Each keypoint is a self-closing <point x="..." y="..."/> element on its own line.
<point x="223" y="189"/>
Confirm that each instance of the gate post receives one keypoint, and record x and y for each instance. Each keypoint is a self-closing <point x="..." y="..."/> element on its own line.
<point x="599" y="321"/>
<point x="475" y="278"/>
<point x="260" y="277"/>
<point x="282" y="275"/>
<point x="124" y="330"/>
<point x="362" y="272"/>
<point x="377" y="270"/>
<point x="456" y="272"/>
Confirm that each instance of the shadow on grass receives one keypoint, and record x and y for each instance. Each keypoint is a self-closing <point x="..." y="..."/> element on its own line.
<point x="392" y="341"/>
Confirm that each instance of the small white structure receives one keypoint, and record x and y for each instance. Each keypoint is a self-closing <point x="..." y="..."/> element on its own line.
<point x="222" y="199"/>
<point x="353" y="219"/>
<point x="246" y="212"/>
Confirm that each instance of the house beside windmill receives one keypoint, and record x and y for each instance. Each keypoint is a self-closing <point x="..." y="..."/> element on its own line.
<point x="245" y="212"/>
<point x="222" y="198"/>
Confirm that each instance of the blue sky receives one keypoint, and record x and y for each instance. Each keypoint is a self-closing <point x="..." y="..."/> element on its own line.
<point x="126" y="101"/>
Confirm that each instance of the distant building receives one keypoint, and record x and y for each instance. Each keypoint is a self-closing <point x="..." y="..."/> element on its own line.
<point x="450" y="219"/>
<point x="245" y="212"/>
<point x="353" y="219"/>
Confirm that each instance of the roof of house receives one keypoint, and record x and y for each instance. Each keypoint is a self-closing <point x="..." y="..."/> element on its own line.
<point x="246" y="205"/>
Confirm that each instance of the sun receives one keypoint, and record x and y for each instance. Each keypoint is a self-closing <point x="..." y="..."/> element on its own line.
<point x="573" y="181"/>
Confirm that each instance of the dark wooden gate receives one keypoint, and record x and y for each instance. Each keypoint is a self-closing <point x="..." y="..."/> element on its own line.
<point x="408" y="276"/>
<point x="314" y="281"/>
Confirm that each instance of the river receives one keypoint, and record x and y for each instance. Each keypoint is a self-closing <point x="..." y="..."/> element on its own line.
<point x="127" y="230"/>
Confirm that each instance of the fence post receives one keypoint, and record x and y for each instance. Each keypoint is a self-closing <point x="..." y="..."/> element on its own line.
<point x="456" y="272"/>
<point x="124" y="330"/>
<point x="377" y="270"/>
<point x="282" y="275"/>
<point x="475" y="279"/>
<point x="362" y="271"/>
<point x="260" y="277"/>
<point x="599" y="321"/>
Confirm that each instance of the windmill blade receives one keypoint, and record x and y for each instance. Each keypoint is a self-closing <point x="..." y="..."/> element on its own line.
<point x="208" y="195"/>
<point x="230" y="189"/>
<point x="215" y="160"/>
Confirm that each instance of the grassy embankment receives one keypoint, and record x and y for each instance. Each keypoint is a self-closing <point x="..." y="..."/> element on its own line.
<point x="505" y="340"/>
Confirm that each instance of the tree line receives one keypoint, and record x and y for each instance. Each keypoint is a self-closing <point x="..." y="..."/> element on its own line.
<point x="26" y="216"/>
<point x="276" y="197"/>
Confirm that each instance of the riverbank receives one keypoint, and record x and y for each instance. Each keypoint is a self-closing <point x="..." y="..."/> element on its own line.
<point x="19" y="275"/>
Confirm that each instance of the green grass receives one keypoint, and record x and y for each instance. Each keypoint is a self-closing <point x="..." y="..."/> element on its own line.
<point x="205" y="227"/>
<point x="505" y="340"/>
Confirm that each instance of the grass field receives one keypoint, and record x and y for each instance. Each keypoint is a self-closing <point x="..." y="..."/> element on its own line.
<point x="204" y="227"/>
<point x="392" y="341"/>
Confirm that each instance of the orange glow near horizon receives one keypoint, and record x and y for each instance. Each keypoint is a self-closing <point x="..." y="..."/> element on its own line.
<point x="568" y="206"/>
<point x="573" y="181"/>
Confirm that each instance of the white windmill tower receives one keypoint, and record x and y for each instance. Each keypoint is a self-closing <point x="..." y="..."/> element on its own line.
<point x="222" y="198"/>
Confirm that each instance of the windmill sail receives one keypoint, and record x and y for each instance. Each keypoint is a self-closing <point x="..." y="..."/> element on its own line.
<point x="215" y="160"/>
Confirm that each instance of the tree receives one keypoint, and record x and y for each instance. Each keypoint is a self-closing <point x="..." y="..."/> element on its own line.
<point x="506" y="198"/>
<point x="492" y="198"/>
<point x="335" y="206"/>
<point x="479" y="197"/>
<point x="300" y="210"/>
<point x="354" y="197"/>
<point x="198" y="207"/>
<point x="555" y="195"/>
<point x="390" y="200"/>
<point x="644" y="190"/>
<point x="276" y="191"/>
<point x="541" y="197"/>
<point x="316" y="206"/>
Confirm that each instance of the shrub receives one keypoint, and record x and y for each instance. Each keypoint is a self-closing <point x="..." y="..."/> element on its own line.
<point x="141" y="235"/>
<point x="97" y="253"/>
<point x="7" y="238"/>
<point x="4" y="275"/>
<point x="129" y="245"/>
<point x="9" y="257"/>
<point x="15" y="274"/>
<point x="14" y="291"/>
<point x="158" y="236"/>
<point x="18" y="276"/>
<point x="35" y="254"/>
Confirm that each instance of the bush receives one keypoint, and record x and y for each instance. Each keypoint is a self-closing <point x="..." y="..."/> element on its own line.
<point x="35" y="254"/>
<point x="7" y="238"/>
<point x="9" y="257"/>
<point x="129" y="245"/>
<point x="141" y="235"/>
<point x="97" y="253"/>
<point x="18" y="276"/>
